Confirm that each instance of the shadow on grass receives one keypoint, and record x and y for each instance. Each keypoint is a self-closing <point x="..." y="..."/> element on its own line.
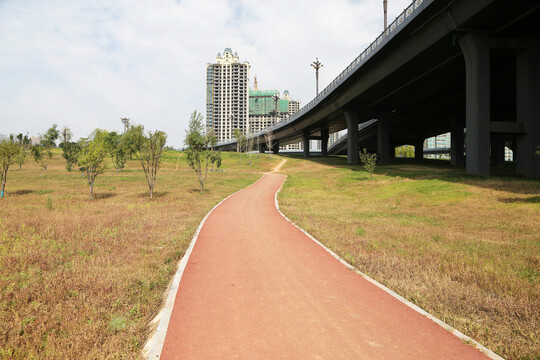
<point x="100" y="196"/>
<point x="527" y="200"/>
<point x="427" y="169"/>
<point x="20" y="192"/>
<point x="26" y="192"/>
<point x="198" y="191"/>
<point x="156" y="195"/>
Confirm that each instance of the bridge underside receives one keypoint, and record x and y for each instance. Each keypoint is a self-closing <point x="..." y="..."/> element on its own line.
<point x="471" y="68"/>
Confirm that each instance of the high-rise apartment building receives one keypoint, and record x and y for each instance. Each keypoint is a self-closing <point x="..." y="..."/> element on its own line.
<point x="294" y="105"/>
<point x="227" y="93"/>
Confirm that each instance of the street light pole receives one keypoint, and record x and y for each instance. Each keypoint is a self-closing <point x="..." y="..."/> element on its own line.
<point x="317" y="65"/>
<point x="385" y="8"/>
<point x="125" y="121"/>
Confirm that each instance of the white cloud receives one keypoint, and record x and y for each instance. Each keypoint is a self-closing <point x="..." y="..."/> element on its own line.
<point x="87" y="64"/>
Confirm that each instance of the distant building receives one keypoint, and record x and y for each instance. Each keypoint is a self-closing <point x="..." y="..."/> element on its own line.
<point x="438" y="142"/>
<point x="332" y="138"/>
<point x="264" y="110"/>
<point x="294" y="106"/>
<point x="35" y="140"/>
<point x="227" y="93"/>
<point x="445" y="141"/>
<point x="508" y="154"/>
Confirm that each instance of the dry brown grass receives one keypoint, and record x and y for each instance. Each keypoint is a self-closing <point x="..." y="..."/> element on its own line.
<point x="81" y="279"/>
<point x="465" y="249"/>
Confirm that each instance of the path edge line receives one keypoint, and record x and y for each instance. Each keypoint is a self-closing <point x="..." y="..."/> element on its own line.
<point x="464" y="338"/>
<point x="154" y="345"/>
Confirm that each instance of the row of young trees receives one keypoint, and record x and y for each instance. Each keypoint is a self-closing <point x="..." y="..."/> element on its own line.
<point x="89" y="154"/>
<point x="246" y="143"/>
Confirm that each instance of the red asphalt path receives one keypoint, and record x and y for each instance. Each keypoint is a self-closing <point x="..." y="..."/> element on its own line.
<point x="256" y="287"/>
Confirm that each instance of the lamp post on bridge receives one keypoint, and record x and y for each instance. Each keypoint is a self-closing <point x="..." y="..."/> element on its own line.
<point x="385" y="8"/>
<point x="317" y="65"/>
<point x="125" y="121"/>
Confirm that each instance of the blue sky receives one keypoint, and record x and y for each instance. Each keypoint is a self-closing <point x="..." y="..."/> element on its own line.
<point x="86" y="64"/>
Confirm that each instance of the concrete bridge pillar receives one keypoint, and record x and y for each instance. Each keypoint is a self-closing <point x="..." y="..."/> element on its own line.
<point x="383" y="141"/>
<point x="305" y="141"/>
<point x="528" y="110"/>
<point x="261" y="148"/>
<point x="419" y="149"/>
<point x="497" y="149"/>
<point x="324" y="142"/>
<point x="275" y="148"/>
<point x="476" y="52"/>
<point x="457" y="139"/>
<point x="352" y="136"/>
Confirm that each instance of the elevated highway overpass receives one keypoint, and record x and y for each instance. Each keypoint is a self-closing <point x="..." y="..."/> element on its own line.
<point x="471" y="68"/>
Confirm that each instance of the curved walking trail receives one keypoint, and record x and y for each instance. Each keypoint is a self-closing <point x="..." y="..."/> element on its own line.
<point x="256" y="287"/>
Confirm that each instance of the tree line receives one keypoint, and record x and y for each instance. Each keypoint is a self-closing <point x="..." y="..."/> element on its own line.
<point x="89" y="154"/>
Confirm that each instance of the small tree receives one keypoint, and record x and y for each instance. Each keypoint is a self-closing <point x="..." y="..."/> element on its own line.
<point x="66" y="135"/>
<point x="150" y="149"/>
<point x="70" y="152"/>
<point x="50" y="137"/>
<point x="237" y="134"/>
<point x="92" y="157"/>
<point x="405" y="151"/>
<point x="116" y="150"/>
<point x="369" y="161"/>
<point x="8" y="153"/>
<point x="24" y="144"/>
<point x="119" y="158"/>
<point x="249" y="144"/>
<point x="269" y="139"/>
<point x="212" y="138"/>
<point x="21" y="157"/>
<point x="257" y="145"/>
<point x="199" y="156"/>
<point x="240" y="143"/>
<point x="130" y="140"/>
<point x="210" y="131"/>
<point x="42" y="155"/>
<point x="215" y="159"/>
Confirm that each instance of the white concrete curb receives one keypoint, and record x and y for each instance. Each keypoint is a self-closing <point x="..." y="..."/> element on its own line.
<point x="439" y="322"/>
<point x="153" y="347"/>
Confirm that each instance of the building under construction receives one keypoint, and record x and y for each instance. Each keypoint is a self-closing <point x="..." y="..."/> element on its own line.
<point x="266" y="109"/>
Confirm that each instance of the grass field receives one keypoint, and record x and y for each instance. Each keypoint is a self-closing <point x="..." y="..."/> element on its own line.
<point x="464" y="248"/>
<point x="82" y="278"/>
